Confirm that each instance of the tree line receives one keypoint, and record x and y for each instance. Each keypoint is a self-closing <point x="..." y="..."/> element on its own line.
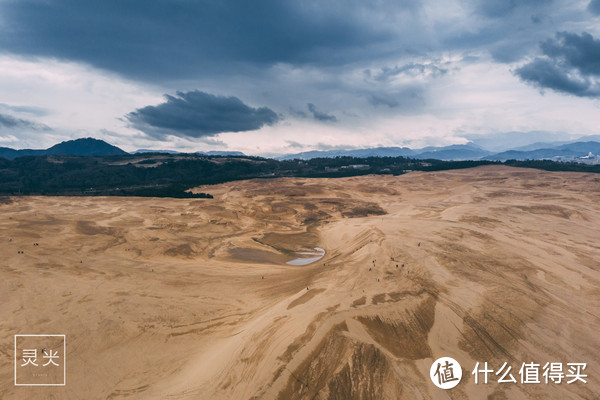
<point x="162" y="175"/>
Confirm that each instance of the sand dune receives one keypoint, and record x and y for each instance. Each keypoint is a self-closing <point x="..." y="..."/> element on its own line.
<point x="193" y="299"/>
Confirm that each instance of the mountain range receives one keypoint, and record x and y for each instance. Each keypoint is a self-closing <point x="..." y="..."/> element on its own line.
<point x="560" y="151"/>
<point x="202" y="153"/>
<point x="581" y="151"/>
<point x="575" y="150"/>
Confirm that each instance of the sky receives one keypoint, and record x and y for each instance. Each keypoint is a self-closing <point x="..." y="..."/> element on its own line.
<point x="271" y="77"/>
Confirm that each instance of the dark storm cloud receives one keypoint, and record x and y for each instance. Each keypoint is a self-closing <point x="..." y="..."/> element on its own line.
<point x="581" y="52"/>
<point x="547" y="75"/>
<point x="181" y="38"/>
<point x="198" y="114"/>
<point x="10" y="122"/>
<point x="571" y="64"/>
<point x="320" y="115"/>
<point x="594" y="7"/>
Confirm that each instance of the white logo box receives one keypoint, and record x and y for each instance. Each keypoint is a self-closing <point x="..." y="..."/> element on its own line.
<point x="64" y="361"/>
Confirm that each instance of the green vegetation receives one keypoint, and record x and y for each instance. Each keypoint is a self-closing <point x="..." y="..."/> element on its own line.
<point x="166" y="175"/>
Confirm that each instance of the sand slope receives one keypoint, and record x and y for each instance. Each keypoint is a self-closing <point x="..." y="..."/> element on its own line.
<point x="192" y="299"/>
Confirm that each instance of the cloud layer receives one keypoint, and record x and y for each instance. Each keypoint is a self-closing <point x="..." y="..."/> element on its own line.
<point x="185" y="38"/>
<point x="174" y="39"/>
<point x="314" y="73"/>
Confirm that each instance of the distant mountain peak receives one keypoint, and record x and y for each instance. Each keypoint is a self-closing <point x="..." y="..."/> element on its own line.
<point x="85" y="147"/>
<point x="77" y="147"/>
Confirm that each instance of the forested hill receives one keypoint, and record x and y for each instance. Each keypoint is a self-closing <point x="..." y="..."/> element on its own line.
<point x="168" y="175"/>
<point x="77" y="147"/>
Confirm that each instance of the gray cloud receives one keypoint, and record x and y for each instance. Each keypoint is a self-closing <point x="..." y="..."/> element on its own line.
<point x="8" y="121"/>
<point x="571" y="64"/>
<point x="402" y="87"/>
<point x="508" y="29"/>
<point x="294" y="145"/>
<point x="594" y="7"/>
<point x="198" y="114"/>
<point x="410" y="69"/>
<point x="319" y="115"/>
<point x="297" y="113"/>
<point x="581" y="52"/>
<point x="378" y="100"/>
<point x="547" y="75"/>
<point x="37" y="111"/>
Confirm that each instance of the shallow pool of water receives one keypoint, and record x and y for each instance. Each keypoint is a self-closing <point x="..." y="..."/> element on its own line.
<point x="318" y="253"/>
